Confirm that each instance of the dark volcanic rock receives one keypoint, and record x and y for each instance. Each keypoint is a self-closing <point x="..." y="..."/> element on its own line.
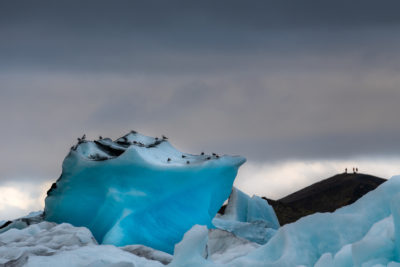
<point x="324" y="196"/>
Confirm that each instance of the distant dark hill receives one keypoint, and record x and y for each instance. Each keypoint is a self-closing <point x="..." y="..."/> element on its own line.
<point x="324" y="196"/>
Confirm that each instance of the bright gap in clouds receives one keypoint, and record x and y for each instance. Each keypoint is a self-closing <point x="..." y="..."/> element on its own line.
<point x="272" y="180"/>
<point x="18" y="199"/>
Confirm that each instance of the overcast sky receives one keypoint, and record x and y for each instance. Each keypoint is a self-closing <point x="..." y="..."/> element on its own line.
<point x="300" y="88"/>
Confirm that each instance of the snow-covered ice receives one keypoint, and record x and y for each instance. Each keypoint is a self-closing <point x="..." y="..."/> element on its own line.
<point x="42" y="239"/>
<point x="139" y="190"/>
<point x="50" y="244"/>
<point x="23" y="222"/>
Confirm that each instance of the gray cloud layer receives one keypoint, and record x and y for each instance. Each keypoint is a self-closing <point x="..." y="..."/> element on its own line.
<point x="266" y="79"/>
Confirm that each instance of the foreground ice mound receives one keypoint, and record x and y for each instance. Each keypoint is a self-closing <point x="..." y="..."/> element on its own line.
<point x="366" y="233"/>
<point x="23" y="222"/>
<point x="48" y="244"/>
<point x="139" y="190"/>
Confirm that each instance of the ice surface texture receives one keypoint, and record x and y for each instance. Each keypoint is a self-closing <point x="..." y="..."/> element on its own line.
<point x="243" y="208"/>
<point x="48" y="244"/>
<point x="139" y="190"/>
<point x="366" y="233"/>
<point x="23" y="222"/>
<point x="251" y="218"/>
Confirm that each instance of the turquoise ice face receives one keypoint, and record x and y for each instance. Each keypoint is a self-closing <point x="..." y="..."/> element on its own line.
<point x="139" y="190"/>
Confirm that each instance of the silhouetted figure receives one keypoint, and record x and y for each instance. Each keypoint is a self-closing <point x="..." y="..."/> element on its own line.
<point x="168" y="159"/>
<point x="156" y="138"/>
<point x="100" y="137"/>
<point x="183" y="156"/>
<point x="187" y="162"/>
<point x="134" y="132"/>
<point x="208" y="158"/>
<point x="83" y="137"/>
<point x="356" y="170"/>
<point x="164" y="137"/>
<point x="202" y="153"/>
<point x="345" y="170"/>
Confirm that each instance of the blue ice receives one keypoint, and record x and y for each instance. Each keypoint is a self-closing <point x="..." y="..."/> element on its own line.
<point x="139" y="190"/>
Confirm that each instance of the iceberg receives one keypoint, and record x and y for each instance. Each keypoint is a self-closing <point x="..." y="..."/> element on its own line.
<point x="244" y="208"/>
<point x="41" y="243"/>
<point x="251" y="218"/>
<point x="223" y="246"/>
<point x="366" y="233"/>
<point x="41" y="239"/>
<point x="23" y="222"/>
<point x="139" y="190"/>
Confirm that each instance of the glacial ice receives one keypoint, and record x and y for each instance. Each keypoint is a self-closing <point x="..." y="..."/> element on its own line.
<point x="50" y="244"/>
<point x="148" y="253"/>
<point x="128" y="192"/>
<point x="366" y="233"/>
<point x="92" y="256"/>
<point x="44" y="238"/>
<point x="139" y="190"/>
<point x="23" y="222"/>
<point x="242" y="208"/>
<point x="250" y="218"/>
<point x="223" y="246"/>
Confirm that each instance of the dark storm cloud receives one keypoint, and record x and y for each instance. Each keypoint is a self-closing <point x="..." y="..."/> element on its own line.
<point x="271" y="80"/>
<point x="174" y="35"/>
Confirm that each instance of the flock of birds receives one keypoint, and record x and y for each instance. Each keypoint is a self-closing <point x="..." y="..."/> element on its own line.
<point x="125" y="142"/>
